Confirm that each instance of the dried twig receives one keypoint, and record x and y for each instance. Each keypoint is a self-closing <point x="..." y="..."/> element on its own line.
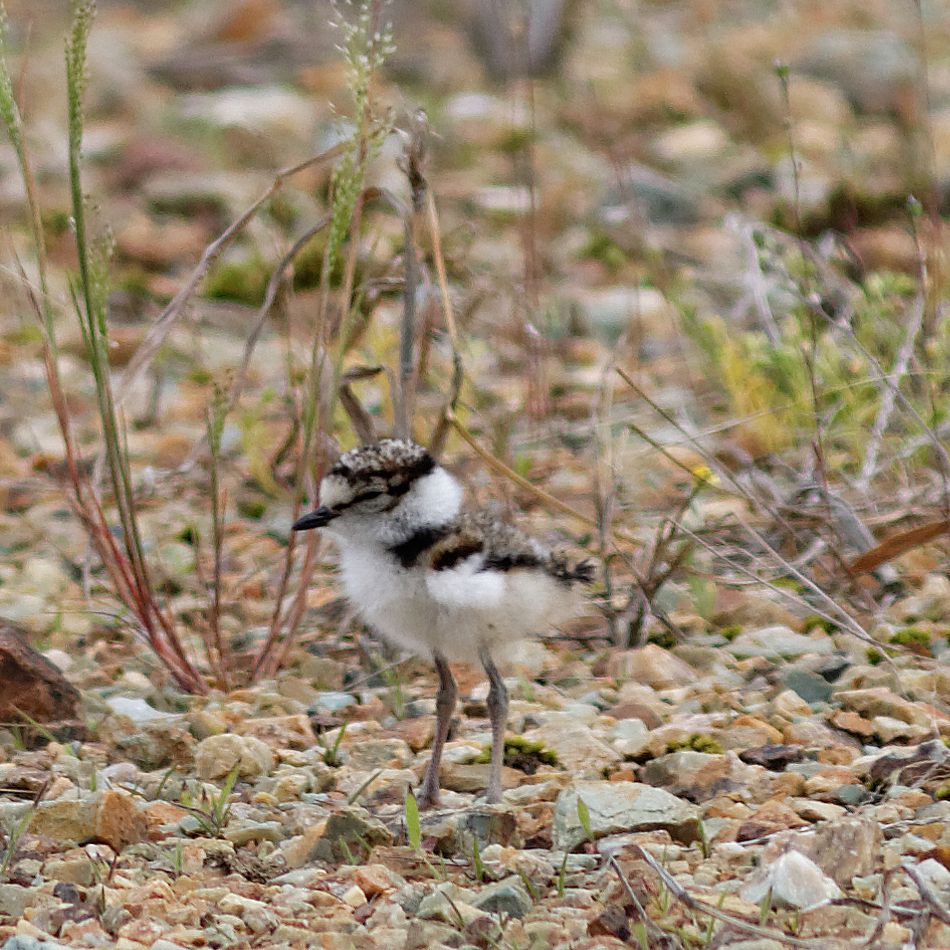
<point x="659" y="938"/>
<point x="693" y="903"/>
<point x="940" y="910"/>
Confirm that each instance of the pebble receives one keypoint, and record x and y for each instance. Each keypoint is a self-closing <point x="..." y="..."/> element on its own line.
<point x="777" y="643"/>
<point x="792" y="880"/>
<point x="216" y="756"/>
<point x="615" y="807"/>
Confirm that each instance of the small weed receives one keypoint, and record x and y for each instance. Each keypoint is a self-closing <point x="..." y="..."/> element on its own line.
<point x="477" y="864"/>
<point x="914" y="638"/>
<point x="331" y="755"/>
<point x="178" y="858"/>
<point x="347" y="853"/>
<point x="562" y="876"/>
<point x="696" y="743"/>
<point x="214" y="811"/>
<point x="17" y="831"/>
<point x="13" y="840"/>
<point x="822" y="623"/>
<point x="522" y="754"/>
<point x="413" y="826"/>
<point x="583" y="816"/>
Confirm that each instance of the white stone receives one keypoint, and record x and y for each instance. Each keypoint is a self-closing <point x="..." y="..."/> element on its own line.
<point x="794" y="881"/>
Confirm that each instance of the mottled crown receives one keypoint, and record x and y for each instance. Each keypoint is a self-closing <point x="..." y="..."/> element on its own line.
<point x="391" y="460"/>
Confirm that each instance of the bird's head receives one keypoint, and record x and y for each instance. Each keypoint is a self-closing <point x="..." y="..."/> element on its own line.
<point x="384" y="492"/>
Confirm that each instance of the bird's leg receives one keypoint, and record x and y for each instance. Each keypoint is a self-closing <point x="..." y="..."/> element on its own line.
<point x="444" y="707"/>
<point x="498" y="713"/>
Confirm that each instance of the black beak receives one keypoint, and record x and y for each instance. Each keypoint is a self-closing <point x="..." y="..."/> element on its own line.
<point x="316" y="519"/>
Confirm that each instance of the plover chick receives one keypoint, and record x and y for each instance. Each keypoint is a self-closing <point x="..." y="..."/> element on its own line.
<point x="440" y="581"/>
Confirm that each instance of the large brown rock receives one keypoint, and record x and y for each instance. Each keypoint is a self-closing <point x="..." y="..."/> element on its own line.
<point x="30" y="685"/>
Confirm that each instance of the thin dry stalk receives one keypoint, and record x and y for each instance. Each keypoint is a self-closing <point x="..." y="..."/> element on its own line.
<point x="937" y="907"/>
<point x="413" y="165"/>
<point x="658" y="937"/>
<point x="694" y="904"/>
<point x="437" y="442"/>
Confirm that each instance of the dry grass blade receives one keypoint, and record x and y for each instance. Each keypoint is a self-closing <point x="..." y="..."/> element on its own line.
<point x="362" y="421"/>
<point x="898" y="544"/>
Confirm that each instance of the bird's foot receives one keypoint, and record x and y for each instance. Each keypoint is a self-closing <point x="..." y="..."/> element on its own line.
<point x="426" y="800"/>
<point x="428" y="794"/>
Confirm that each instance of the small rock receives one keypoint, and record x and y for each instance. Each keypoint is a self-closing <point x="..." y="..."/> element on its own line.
<point x="417" y="733"/>
<point x="935" y="874"/>
<point x="880" y="701"/>
<point x="112" y="817"/>
<point x="775" y="757"/>
<point x="455" y="832"/>
<point x="794" y="881"/>
<point x="507" y="897"/>
<point x="323" y="672"/>
<point x="692" y="144"/>
<point x="374" y="879"/>
<point x="576" y="746"/>
<point x="30" y="684"/>
<point x="888" y="729"/>
<point x="790" y="705"/>
<point x="333" y="701"/>
<point x="611" y="310"/>
<point x="850" y="794"/>
<point x="651" y="665"/>
<point x="812" y="810"/>
<point x="14" y="899"/>
<point x="698" y="776"/>
<point x="777" y="643"/>
<point x="138" y="710"/>
<point x="152" y="744"/>
<point x="472" y="777"/>
<point x="241" y="831"/>
<point x="629" y="737"/>
<point x="371" y="754"/>
<point x="616" y="807"/>
<point x="31" y="943"/>
<point x="843" y="849"/>
<point x="773" y="816"/>
<point x="217" y="755"/>
<point x="347" y="835"/>
<point x="280" y="732"/>
<point x="875" y="68"/>
<point x="438" y="904"/>
<point x="852" y="722"/>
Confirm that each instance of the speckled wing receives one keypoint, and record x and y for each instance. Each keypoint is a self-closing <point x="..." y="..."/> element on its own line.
<point x="471" y="564"/>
